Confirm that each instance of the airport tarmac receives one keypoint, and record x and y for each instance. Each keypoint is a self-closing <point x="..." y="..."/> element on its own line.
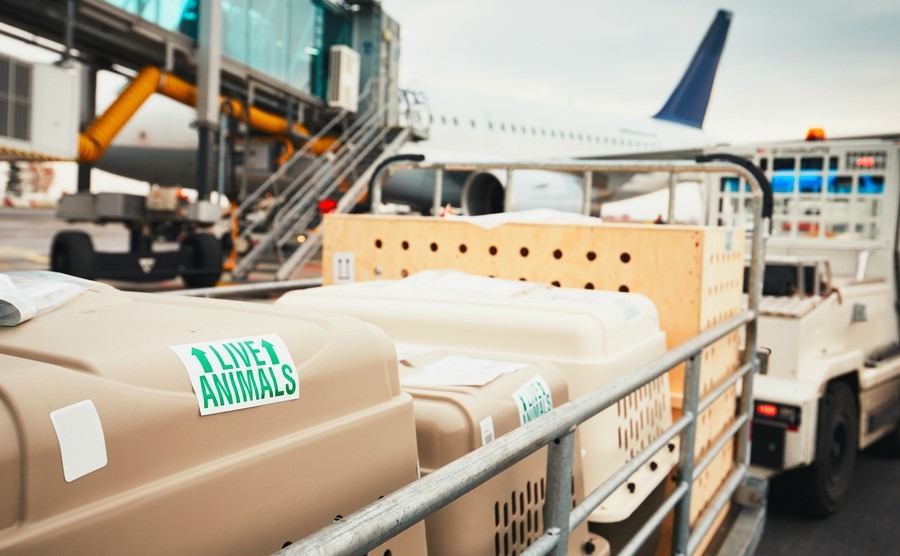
<point x="866" y="526"/>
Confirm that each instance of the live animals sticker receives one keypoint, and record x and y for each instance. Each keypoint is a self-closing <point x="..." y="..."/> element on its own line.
<point x="239" y="373"/>
<point x="533" y="399"/>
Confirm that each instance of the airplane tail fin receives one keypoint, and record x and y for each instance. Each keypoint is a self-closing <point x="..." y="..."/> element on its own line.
<point x="688" y="102"/>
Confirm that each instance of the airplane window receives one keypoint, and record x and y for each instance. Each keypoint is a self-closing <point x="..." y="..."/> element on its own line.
<point x="533" y="130"/>
<point x="502" y="127"/>
<point x="552" y="133"/>
<point x="544" y="132"/>
<point x="490" y="125"/>
<point x="455" y="121"/>
<point x="431" y="118"/>
<point x="444" y="120"/>
<point x="580" y="137"/>
<point x="473" y="124"/>
<point x="512" y="127"/>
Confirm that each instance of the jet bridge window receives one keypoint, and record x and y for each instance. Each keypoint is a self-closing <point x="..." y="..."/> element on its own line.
<point x="840" y="184"/>
<point x="782" y="164"/>
<point x="811" y="163"/>
<point x="810" y="183"/>
<point x="871" y="184"/>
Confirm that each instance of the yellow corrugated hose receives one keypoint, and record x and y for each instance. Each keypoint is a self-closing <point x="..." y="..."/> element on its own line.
<point x="100" y="134"/>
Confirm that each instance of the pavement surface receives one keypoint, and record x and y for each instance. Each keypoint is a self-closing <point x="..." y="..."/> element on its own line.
<point x="869" y="523"/>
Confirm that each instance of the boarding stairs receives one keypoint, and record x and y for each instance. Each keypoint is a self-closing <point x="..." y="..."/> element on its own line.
<point x="341" y="173"/>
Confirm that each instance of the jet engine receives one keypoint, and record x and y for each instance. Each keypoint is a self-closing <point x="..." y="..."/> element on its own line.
<point x="485" y="192"/>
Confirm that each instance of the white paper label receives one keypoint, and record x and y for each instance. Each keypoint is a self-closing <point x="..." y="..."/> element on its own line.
<point x="533" y="399"/>
<point x="344" y="268"/>
<point x="487" y="430"/>
<point x="456" y="370"/>
<point x="238" y="373"/>
<point x="81" y="441"/>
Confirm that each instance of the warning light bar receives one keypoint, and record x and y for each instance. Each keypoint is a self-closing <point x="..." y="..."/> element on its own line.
<point x="815" y="134"/>
<point x="787" y="414"/>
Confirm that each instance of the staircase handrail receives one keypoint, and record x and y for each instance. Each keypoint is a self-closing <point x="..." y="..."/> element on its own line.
<point x="307" y="147"/>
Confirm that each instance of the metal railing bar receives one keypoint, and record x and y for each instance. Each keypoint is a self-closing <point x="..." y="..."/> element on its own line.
<point x="381" y="520"/>
<point x="653" y="522"/>
<point x="681" y="529"/>
<point x="614" y="481"/>
<point x="543" y="544"/>
<point x="708" y="516"/>
<point x="244" y="289"/>
<point x="716" y="392"/>
<point x="713" y="451"/>
<point x="558" y="501"/>
<point x="307" y="147"/>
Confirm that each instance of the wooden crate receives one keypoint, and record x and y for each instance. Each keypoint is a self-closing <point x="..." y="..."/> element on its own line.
<point x="694" y="275"/>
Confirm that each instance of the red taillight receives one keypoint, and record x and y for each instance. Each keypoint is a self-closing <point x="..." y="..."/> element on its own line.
<point x="767" y="410"/>
<point x="865" y="162"/>
<point x="327" y="206"/>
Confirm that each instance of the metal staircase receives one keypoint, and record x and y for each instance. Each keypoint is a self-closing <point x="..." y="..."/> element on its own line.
<point x="349" y="161"/>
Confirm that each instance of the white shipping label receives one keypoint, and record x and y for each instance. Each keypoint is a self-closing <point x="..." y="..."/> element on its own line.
<point x="456" y="370"/>
<point x="238" y="373"/>
<point x="487" y="430"/>
<point x="533" y="399"/>
<point x="81" y="441"/>
<point x="344" y="269"/>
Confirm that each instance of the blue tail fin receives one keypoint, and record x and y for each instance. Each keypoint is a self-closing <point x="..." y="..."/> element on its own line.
<point x="689" y="100"/>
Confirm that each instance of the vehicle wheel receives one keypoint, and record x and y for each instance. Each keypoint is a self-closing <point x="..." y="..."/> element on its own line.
<point x="204" y="261"/>
<point x="824" y="484"/>
<point x="73" y="253"/>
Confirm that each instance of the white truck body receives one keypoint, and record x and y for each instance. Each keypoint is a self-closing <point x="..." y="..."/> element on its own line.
<point x="829" y="309"/>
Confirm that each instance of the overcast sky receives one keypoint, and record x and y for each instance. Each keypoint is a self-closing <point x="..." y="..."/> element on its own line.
<point x="788" y="65"/>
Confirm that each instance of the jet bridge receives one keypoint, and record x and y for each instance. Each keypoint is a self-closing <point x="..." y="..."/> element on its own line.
<point x="288" y="95"/>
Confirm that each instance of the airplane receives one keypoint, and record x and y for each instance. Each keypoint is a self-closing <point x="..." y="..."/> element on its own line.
<point x="159" y="146"/>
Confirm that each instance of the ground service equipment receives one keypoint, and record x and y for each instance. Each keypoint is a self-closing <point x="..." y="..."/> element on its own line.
<point x="829" y="309"/>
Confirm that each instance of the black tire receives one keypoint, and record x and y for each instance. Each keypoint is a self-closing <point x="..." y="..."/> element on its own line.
<point x="204" y="255"/>
<point x="73" y="253"/>
<point x="824" y="484"/>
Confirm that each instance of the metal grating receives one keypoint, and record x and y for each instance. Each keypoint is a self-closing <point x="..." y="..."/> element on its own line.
<point x="518" y="521"/>
<point x="641" y="417"/>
